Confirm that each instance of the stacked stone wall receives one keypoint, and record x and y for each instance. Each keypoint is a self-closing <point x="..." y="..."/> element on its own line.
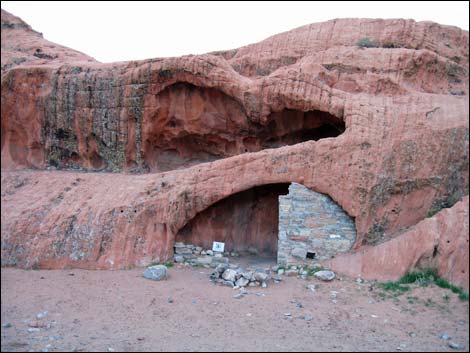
<point x="312" y="226"/>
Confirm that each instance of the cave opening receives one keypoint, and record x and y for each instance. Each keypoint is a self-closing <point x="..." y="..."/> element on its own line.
<point x="184" y="125"/>
<point x="247" y="222"/>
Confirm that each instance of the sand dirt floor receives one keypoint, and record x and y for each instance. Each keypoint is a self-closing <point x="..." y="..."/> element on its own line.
<point x="122" y="311"/>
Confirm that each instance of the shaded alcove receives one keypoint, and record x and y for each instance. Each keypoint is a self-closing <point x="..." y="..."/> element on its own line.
<point x="185" y="125"/>
<point x="246" y="222"/>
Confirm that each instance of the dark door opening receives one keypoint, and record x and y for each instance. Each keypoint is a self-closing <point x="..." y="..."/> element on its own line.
<point x="247" y="222"/>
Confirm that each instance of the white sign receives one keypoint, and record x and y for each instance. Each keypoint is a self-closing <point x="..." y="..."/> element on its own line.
<point x="216" y="246"/>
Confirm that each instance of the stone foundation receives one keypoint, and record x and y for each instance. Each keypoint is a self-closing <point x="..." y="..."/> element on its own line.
<point x="312" y="227"/>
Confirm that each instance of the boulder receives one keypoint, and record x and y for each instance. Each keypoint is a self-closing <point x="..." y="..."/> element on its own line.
<point x="156" y="273"/>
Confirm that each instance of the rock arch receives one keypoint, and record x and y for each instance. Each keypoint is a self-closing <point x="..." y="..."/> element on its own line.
<point x="282" y="220"/>
<point x="184" y="125"/>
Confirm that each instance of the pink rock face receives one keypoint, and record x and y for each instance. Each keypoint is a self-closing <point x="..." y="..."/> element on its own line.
<point x="383" y="131"/>
<point x="438" y="242"/>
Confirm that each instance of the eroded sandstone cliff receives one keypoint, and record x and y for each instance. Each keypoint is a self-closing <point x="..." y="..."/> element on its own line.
<point x="383" y="131"/>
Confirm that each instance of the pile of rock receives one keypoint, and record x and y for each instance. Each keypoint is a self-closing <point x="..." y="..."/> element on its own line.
<point x="303" y="272"/>
<point x="197" y="256"/>
<point x="235" y="276"/>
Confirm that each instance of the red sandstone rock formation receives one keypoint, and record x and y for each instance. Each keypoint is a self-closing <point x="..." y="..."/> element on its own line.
<point x="440" y="242"/>
<point x="383" y="131"/>
<point x="21" y="45"/>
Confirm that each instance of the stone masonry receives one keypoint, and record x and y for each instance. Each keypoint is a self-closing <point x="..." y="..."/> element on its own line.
<point x="312" y="226"/>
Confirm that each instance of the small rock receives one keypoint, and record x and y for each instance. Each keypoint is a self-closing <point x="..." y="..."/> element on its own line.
<point x="325" y="275"/>
<point x="156" y="273"/>
<point x="299" y="305"/>
<point x="281" y="271"/>
<point x="292" y="272"/>
<point x="71" y="274"/>
<point x="110" y="349"/>
<point x="308" y="318"/>
<point x="260" y="294"/>
<point x="333" y="294"/>
<point x="33" y="329"/>
<point x="359" y="280"/>
<point x="234" y="254"/>
<point x="170" y="300"/>
<point x="42" y="315"/>
<point x="183" y="251"/>
<point x="35" y="323"/>
<point x="242" y="282"/>
<point x="218" y="254"/>
<point x="228" y="283"/>
<point x="229" y="275"/>
<point x="237" y="296"/>
<point x="221" y="268"/>
<point x="209" y="252"/>
<point x="311" y="287"/>
<point x="412" y="334"/>
<point x="252" y="284"/>
<point x="277" y="278"/>
<point x="287" y="314"/>
<point x="445" y="336"/>
<point x="214" y="276"/>
<point x="275" y="268"/>
<point x="204" y="260"/>
<point x="7" y="325"/>
<point x="264" y="285"/>
<point x="260" y="276"/>
<point x="178" y="258"/>
<point x="455" y="345"/>
<point x="248" y="275"/>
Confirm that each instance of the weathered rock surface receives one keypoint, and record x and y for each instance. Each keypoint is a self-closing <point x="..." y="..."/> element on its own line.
<point x="383" y="131"/>
<point x="440" y="242"/>
<point x="21" y="45"/>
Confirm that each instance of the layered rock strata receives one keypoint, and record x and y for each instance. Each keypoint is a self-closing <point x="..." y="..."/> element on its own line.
<point x="383" y="131"/>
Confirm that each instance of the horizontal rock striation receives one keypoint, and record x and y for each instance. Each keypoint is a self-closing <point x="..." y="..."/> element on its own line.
<point x="381" y="130"/>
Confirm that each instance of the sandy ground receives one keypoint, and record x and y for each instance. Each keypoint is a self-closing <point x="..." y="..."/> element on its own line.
<point x="122" y="311"/>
